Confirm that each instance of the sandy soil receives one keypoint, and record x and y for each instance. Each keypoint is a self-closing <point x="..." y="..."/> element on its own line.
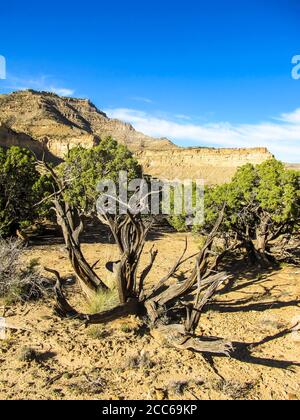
<point x="121" y="360"/>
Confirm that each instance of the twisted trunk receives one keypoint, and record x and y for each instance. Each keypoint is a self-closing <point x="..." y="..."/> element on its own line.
<point x="130" y="235"/>
<point x="89" y="281"/>
<point x="257" y="253"/>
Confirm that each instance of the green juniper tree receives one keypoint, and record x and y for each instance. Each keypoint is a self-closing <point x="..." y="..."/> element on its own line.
<point x="21" y="188"/>
<point x="83" y="169"/>
<point x="262" y="203"/>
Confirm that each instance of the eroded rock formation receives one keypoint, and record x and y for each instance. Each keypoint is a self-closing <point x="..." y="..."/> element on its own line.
<point x="215" y="166"/>
<point x="30" y="119"/>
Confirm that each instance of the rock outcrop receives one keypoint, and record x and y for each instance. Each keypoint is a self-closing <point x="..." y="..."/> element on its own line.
<point x="215" y="166"/>
<point x="30" y="119"/>
<point x="9" y="138"/>
<point x="67" y="122"/>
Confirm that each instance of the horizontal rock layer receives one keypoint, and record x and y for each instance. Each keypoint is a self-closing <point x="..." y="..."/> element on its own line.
<point x="215" y="166"/>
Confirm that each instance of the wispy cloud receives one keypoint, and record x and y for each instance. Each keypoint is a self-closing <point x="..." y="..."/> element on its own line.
<point x="183" y="117"/>
<point x="281" y="135"/>
<point x="142" y="99"/>
<point x="44" y="83"/>
<point x="62" y="91"/>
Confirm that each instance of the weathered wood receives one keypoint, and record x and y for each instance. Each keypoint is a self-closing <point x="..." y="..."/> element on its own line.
<point x="72" y="226"/>
<point x="201" y="270"/>
<point x="89" y="280"/>
<point x="130" y="233"/>
<point x="62" y="307"/>
<point x="175" y="336"/>
<point x="131" y="307"/>
<point x="146" y="271"/>
<point x="65" y="310"/>
<point x="193" y="317"/>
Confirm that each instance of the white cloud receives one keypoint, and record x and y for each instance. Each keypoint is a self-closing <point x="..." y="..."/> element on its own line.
<point x="282" y="137"/>
<point x="293" y="117"/>
<point x="61" y="91"/>
<point x="43" y="83"/>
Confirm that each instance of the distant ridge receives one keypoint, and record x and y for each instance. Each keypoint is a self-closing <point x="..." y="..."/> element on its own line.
<point x="31" y="119"/>
<point x="62" y="122"/>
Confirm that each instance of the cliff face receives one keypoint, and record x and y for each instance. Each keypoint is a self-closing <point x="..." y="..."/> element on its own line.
<point x="293" y="166"/>
<point x="215" y="166"/>
<point x="30" y="119"/>
<point x="9" y="137"/>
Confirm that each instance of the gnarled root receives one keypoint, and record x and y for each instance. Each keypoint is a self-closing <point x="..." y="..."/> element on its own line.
<point x="65" y="310"/>
<point x="131" y="307"/>
<point x="175" y="336"/>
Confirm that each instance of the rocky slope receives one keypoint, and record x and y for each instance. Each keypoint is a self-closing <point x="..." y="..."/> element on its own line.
<point x="31" y="118"/>
<point x="67" y="122"/>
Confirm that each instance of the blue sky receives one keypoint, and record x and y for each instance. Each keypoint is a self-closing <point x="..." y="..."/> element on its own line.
<point x="203" y="73"/>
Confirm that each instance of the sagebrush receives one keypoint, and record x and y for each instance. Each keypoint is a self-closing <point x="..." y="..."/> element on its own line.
<point x="18" y="282"/>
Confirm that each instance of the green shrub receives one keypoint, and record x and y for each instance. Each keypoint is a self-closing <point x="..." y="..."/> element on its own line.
<point x="21" y="188"/>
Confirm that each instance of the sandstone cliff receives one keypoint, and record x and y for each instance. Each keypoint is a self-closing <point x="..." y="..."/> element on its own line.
<point x="31" y="118"/>
<point x="215" y="166"/>
<point x="9" y="137"/>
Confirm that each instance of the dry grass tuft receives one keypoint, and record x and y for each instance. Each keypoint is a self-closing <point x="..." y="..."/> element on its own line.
<point x="234" y="390"/>
<point x="141" y="360"/>
<point x="102" y="301"/>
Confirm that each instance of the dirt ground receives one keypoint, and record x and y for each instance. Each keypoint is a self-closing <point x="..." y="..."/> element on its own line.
<point x="121" y="360"/>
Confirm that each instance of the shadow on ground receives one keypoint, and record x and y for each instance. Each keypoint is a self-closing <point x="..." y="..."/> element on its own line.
<point x="243" y="353"/>
<point x="94" y="233"/>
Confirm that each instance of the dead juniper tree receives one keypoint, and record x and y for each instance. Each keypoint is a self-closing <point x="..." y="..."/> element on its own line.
<point x="136" y="297"/>
<point x="130" y="232"/>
